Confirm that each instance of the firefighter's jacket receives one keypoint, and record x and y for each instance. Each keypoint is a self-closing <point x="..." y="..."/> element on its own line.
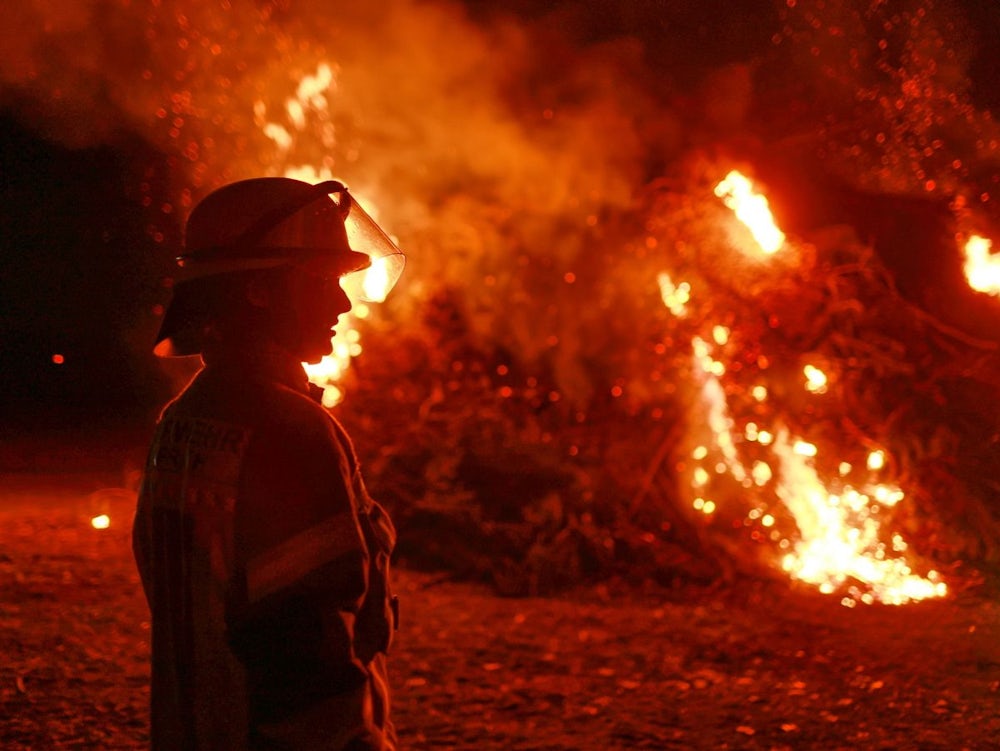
<point x="265" y="565"/>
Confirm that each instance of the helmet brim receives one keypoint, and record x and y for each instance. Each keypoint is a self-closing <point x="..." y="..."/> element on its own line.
<point x="182" y="332"/>
<point x="287" y="234"/>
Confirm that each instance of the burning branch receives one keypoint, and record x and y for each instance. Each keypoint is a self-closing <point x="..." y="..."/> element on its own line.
<point x="829" y="533"/>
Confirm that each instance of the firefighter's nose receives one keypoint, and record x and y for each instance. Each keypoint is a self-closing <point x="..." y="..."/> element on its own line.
<point x="341" y="300"/>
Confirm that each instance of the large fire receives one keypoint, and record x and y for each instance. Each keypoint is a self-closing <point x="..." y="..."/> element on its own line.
<point x="837" y="543"/>
<point x="514" y="184"/>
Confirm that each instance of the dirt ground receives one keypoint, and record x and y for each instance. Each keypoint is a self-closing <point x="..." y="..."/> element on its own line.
<point x="759" y="666"/>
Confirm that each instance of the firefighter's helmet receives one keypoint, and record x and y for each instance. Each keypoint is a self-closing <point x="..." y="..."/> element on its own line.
<point x="266" y="223"/>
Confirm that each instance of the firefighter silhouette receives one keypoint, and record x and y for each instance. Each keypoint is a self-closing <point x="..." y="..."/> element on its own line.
<point x="264" y="560"/>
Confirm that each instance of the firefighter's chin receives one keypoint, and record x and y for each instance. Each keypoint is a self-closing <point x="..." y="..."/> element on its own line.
<point x="311" y="351"/>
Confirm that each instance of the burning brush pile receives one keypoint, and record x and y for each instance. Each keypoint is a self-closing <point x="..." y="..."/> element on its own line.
<point x="670" y="311"/>
<point x="781" y="408"/>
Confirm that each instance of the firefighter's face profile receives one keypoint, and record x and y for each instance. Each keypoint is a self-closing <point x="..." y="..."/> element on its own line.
<point x="305" y="308"/>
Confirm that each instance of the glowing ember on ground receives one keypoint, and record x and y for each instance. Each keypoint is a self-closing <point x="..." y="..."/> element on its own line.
<point x="830" y="531"/>
<point x="101" y="521"/>
<point x="751" y="208"/>
<point x="982" y="268"/>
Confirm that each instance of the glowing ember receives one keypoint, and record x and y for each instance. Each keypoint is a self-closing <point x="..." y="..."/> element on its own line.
<point x="982" y="268"/>
<point x="101" y="521"/>
<point x="751" y="208"/>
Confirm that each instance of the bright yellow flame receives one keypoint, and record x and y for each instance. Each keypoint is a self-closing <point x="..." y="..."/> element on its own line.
<point x="888" y="495"/>
<point x="839" y="536"/>
<point x="751" y="208"/>
<point x="815" y="379"/>
<point x="312" y="89"/>
<point x="982" y="268"/>
<point x="839" y="546"/>
<point x="838" y="532"/>
<point x="714" y="396"/>
<point x="101" y="521"/>
<point x="376" y="282"/>
<point x="706" y="507"/>
<point x="804" y="448"/>
<point x="675" y="297"/>
<point x="761" y="473"/>
<point x="280" y="135"/>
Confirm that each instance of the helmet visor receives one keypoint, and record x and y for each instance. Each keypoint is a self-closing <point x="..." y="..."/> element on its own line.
<point x="371" y="284"/>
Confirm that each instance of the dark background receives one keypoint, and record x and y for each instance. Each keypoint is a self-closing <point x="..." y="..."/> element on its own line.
<point x="80" y="279"/>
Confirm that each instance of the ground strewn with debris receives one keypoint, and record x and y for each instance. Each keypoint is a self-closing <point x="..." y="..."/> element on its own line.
<point x="755" y="667"/>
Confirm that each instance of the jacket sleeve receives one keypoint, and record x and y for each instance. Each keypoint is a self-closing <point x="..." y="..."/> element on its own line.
<point x="301" y="576"/>
<point x="142" y="526"/>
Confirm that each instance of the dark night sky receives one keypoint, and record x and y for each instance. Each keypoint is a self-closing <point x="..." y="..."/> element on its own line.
<point x="79" y="279"/>
<point x="79" y="276"/>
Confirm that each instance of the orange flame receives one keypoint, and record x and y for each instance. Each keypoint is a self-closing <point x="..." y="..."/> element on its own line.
<point x="982" y="268"/>
<point x="840" y="542"/>
<point x="840" y="535"/>
<point x="751" y="208"/>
